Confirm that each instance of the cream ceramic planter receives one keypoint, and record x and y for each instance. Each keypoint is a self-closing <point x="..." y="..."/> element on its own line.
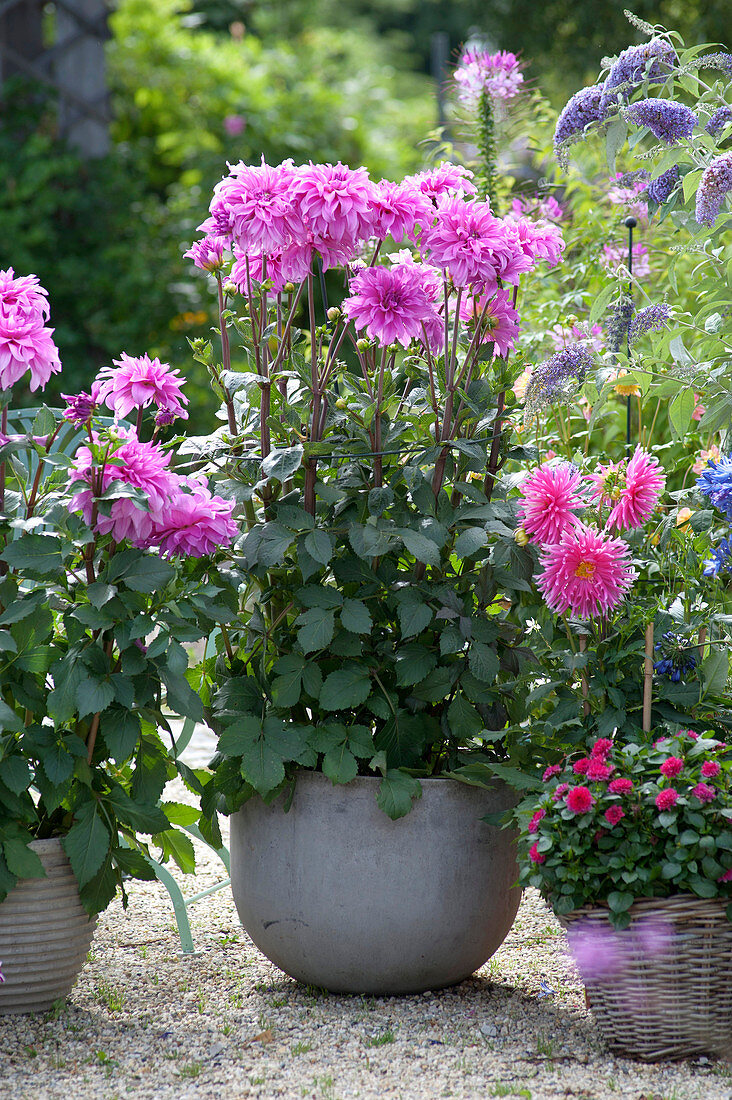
<point x="338" y="895"/>
<point x="45" y="935"/>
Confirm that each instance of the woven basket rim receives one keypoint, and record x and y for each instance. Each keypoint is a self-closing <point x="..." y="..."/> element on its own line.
<point x="643" y="904"/>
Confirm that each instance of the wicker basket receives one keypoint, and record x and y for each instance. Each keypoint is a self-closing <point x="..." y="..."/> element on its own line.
<point x="662" y="988"/>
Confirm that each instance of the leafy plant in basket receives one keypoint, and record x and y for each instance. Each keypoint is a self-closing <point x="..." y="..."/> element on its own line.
<point x="102" y="546"/>
<point x="633" y="820"/>
<point x="378" y="569"/>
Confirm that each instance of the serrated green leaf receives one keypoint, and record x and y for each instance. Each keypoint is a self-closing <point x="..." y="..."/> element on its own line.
<point x="281" y="463"/>
<point x="33" y="555"/>
<point x="423" y="549"/>
<point x="346" y="688"/>
<point x="413" y="662"/>
<point x="397" y="791"/>
<point x="414" y="617"/>
<point x="469" y="542"/>
<point x="316" y="629"/>
<point x="86" y="843"/>
<point x="121" y="730"/>
<point x="15" y="773"/>
<point x="148" y="574"/>
<point x="483" y="661"/>
<point x="319" y="546"/>
<point x="22" y="860"/>
<point x="355" y="617"/>
<point x="339" y="764"/>
<point x="262" y="767"/>
<point x="463" y="719"/>
<point x="240" y="735"/>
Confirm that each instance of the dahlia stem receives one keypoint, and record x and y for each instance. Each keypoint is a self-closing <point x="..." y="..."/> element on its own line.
<point x="648" y="679"/>
<point x="225" y="357"/>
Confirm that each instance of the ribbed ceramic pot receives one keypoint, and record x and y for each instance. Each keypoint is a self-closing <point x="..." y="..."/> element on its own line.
<point x="45" y="935"/>
<point x="338" y="895"/>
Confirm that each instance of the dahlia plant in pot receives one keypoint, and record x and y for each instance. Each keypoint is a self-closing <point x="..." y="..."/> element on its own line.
<point x="375" y="659"/>
<point x="104" y="573"/>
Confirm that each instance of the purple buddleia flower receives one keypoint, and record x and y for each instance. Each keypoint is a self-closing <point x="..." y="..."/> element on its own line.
<point x="659" y="189"/>
<point x="619" y="323"/>
<point x="718" y="120"/>
<point x="667" y="120"/>
<point x="715" y="482"/>
<point x="655" y="316"/>
<point x="652" y="61"/>
<point x="582" y="109"/>
<point x="559" y="378"/>
<point x="720" y="561"/>
<point x="714" y="185"/>
<point x="721" y="61"/>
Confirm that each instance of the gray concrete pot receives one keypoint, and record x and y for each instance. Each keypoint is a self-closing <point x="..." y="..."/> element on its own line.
<point x="338" y="895"/>
<point x="45" y="935"/>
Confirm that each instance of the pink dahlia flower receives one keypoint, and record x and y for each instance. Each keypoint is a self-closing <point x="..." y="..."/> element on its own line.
<point x="704" y="792"/>
<point x="142" y="466"/>
<point x="334" y="203"/>
<point x="473" y="245"/>
<point x="726" y="877"/>
<point x="194" y="524"/>
<point x="665" y="800"/>
<point x="539" y="240"/>
<point x="671" y="767"/>
<point x="598" y="771"/>
<point x="498" y="74"/>
<point x="253" y="207"/>
<point x="580" y="766"/>
<point x="620" y="786"/>
<point x="207" y="253"/>
<point x="139" y="382"/>
<point x="550" y="495"/>
<point x="551" y="771"/>
<point x="710" y="769"/>
<point x="81" y="406"/>
<point x="499" y="321"/>
<point x="24" y="291"/>
<point x="445" y="180"/>
<point x="560" y="791"/>
<point x="535" y="855"/>
<point x="632" y="489"/>
<point x="602" y="748"/>
<point x="534" y="823"/>
<point x="26" y="345"/>
<point x="586" y="573"/>
<point x="580" y="800"/>
<point x="399" y="210"/>
<point x="614" y="814"/>
<point x="391" y="303"/>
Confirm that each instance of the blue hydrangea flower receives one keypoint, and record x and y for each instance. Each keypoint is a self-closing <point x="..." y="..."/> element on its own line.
<point x="660" y="188"/>
<point x="715" y="482"/>
<point x="667" y="120"/>
<point x="652" y="61"/>
<point x="713" y="186"/>
<point x="720" y="561"/>
<point x="718" y="119"/>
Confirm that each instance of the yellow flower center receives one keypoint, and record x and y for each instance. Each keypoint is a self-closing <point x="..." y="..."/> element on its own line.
<point x="585" y="570"/>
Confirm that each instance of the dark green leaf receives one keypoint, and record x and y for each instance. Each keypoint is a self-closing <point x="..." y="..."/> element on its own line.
<point x="121" y="730"/>
<point x="424" y="549"/>
<point x="281" y="463"/>
<point x="319" y="546"/>
<point x="93" y="695"/>
<point x="33" y="555"/>
<point x="149" y="574"/>
<point x="470" y="542"/>
<point x="86" y="843"/>
<point x="316" y="629"/>
<point x="413" y="663"/>
<point x="346" y="688"/>
<point x="22" y="860"/>
<point x="355" y="617"/>
<point x="414" y="617"/>
<point x="340" y="765"/>
<point x="397" y="790"/>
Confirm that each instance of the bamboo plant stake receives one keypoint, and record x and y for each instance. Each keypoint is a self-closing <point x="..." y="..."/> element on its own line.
<point x="648" y="679"/>
<point x="585" y="685"/>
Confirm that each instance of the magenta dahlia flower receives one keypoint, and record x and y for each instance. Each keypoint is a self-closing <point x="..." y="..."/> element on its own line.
<point x="535" y="855"/>
<point x="704" y="792"/>
<point x="391" y="303"/>
<point x="666" y="799"/>
<point x="579" y="800"/>
<point x="709" y="769"/>
<point x="252" y="207"/>
<point x="26" y="345"/>
<point x="598" y="771"/>
<point x="534" y="823"/>
<point x="632" y="489"/>
<point x="139" y="382"/>
<point x="207" y="253"/>
<point x="499" y="320"/>
<point x="620" y="786"/>
<point x="334" y="203"/>
<point x="551" y="771"/>
<point x="539" y="240"/>
<point x="447" y="180"/>
<point x="672" y="766"/>
<point x="550" y="495"/>
<point x="602" y="748"/>
<point x="142" y="466"/>
<point x="81" y="406"/>
<point x="24" y="291"/>
<point x="399" y="210"/>
<point x="476" y="248"/>
<point x="193" y="524"/>
<point x="613" y="815"/>
<point x="585" y="573"/>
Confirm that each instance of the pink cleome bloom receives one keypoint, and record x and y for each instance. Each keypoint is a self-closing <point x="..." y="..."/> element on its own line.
<point x="620" y="786"/>
<point x="497" y="74"/>
<point x="598" y="771"/>
<point x="551" y="771"/>
<point x="632" y="489"/>
<point x="142" y="466"/>
<point x="586" y="573"/>
<point x="535" y="855"/>
<point x="671" y="767"/>
<point x="399" y="210"/>
<point x="550" y="495"/>
<point x="614" y="814"/>
<point x="580" y="800"/>
<point x="26" y="345"/>
<point x="709" y="769"/>
<point x="602" y="748"/>
<point x="445" y="180"/>
<point x="704" y="792"/>
<point x="580" y="766"/>
<point x="194" y="524"/>
<point x="392" y="304"/>
<point x="534" y="823"/>
<point x="499" y="320"/>
<point x="139" y="382"/>
<point x="207" y="253"/>
<point x="615" y="254"/>
<point x="665" y="800"/>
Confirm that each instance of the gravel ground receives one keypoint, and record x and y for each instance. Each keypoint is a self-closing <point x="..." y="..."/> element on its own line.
<point x="145" y="1022"/>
